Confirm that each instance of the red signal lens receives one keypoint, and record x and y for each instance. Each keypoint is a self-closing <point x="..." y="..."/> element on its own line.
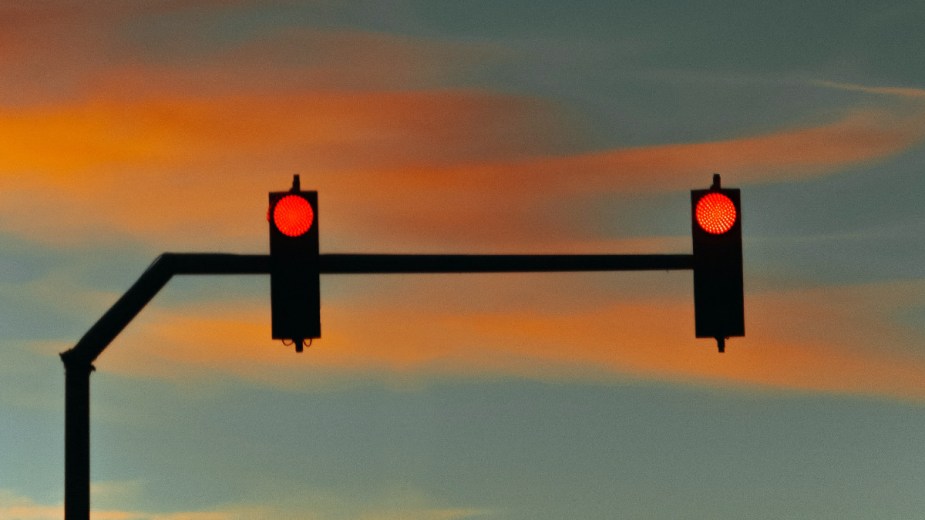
<point x="293" y="215"/>
<point x="715" y="213"/>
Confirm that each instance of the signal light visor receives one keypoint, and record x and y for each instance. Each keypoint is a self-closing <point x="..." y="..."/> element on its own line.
<point x="293" y="215"/>
<point x="715" y="213"/>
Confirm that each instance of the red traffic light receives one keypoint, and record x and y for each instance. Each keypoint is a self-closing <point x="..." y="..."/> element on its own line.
<point x="293" y="215"/>
<point x="715" y="213"/>
<point x="295" y="296"/>
<point x="716" y="233"/>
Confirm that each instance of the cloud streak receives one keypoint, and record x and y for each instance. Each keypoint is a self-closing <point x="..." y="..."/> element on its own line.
<point x="438" y="163"/>
<point x="17" y="507"/>
<point x="822" y="340"/>
<point x="900" y="92"/>
<point x="371" y="120"/>
<point x="180" y="156"/>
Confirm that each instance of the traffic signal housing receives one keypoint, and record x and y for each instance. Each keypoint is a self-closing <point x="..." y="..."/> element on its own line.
<point x="295" y="289"/>
<point x="716" y="229"/>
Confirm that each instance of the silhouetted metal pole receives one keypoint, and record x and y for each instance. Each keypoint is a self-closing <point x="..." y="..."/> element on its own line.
<point x="78" y="361"/>
<point x="76" y="438"/>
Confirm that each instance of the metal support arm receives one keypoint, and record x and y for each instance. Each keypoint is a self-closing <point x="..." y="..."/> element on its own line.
<point x="391" y="264"/>
<point x="78" y="361"/>
<point x="101" y="334"/>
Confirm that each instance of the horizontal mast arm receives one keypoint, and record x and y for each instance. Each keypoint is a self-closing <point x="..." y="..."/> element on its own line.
<point x="169" y="264"/>
<point x="398" y="263"/>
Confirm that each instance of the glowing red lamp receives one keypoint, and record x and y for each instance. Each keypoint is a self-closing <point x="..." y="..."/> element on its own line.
<point x="293" y="215"/>
<point x="715" y="213"/>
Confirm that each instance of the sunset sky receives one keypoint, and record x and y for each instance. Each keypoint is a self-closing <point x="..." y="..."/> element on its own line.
<point x="129" y="129"/>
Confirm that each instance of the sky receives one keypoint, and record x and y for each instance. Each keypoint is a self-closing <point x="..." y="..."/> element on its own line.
<point x="130" y="129"/>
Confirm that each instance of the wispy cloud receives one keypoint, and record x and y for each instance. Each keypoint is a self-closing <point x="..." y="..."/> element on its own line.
<point x="900" y="92"/>
<point x="429" y="514"/>
<point x="183" y="155"/>
<point x="821" y="340"/>
<point x="17" y="507"/>
<point x="372" y="120"/>
<point x="434" y="162"/>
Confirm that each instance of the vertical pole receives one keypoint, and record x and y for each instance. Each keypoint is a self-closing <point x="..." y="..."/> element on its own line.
<point x="76" y="438"/>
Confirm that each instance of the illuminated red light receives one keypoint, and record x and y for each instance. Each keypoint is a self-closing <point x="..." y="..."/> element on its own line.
<point x="293" y="215"/>
<point x="715" y="213"/>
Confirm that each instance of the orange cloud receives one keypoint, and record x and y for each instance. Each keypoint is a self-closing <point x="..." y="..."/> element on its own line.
<point x="516" y="200"/>
<point x="199" y="162"/>
<point x="175" y="153"/>
<point x="439" y="163"/>
<point x="316" y="505"/>
<point x="858" y="137"/>
<point x="294" y="59"/>
<point x="826" y="340"/>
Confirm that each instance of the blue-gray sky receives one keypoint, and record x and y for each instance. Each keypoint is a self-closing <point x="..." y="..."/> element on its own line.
<point x="134" y="128"/>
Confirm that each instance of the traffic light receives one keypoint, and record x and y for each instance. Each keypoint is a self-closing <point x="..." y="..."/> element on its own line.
<point x="295" y="290"/>
<point x="716" y="228"/>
